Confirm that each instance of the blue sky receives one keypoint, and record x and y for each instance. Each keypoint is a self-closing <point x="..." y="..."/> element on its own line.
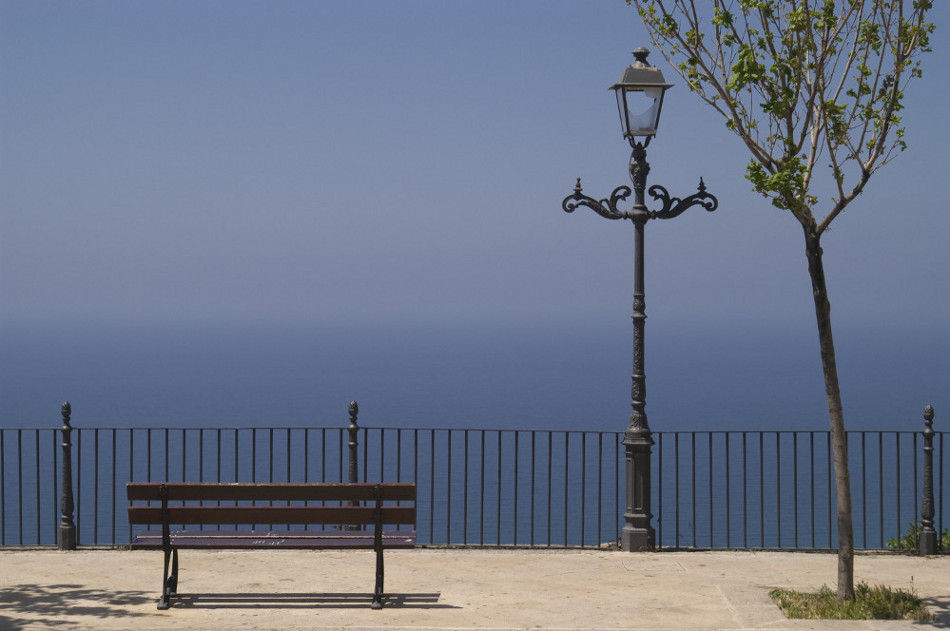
<point x="312" y="161"/>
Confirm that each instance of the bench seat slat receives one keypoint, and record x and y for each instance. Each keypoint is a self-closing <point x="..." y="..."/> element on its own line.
<point x="286" y="539"/>
<point x="200" y="515"/>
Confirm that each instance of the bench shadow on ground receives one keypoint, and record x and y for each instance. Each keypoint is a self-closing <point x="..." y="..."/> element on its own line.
<point x="246" y="600"/>
<point x="58" y="605"/>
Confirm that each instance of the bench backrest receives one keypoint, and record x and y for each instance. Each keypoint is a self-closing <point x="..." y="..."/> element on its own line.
<point x="350" y="504"/>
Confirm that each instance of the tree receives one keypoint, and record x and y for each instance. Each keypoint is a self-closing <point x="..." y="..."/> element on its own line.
<point x="814" y="89"/>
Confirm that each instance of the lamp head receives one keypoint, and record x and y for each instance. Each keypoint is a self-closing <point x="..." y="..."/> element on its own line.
<point x="640" y="91"/>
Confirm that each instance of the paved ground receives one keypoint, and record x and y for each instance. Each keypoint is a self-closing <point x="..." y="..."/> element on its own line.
<point x="440" y="589"/>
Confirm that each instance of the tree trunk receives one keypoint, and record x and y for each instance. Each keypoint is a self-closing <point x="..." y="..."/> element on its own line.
<point x="839" y="439"/>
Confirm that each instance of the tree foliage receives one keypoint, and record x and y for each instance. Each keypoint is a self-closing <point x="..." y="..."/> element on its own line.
<point x="804" y="84"/>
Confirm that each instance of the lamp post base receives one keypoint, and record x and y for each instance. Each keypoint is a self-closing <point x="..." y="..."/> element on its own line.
<point x="67" y="538"/>
<point x="637" y="533"/>
<point x="637" y="539"/>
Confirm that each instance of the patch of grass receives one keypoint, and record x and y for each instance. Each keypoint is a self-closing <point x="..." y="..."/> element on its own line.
<point x="870" y="603"/>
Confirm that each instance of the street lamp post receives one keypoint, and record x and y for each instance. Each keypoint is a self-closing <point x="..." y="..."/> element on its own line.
<point x="639" y="99"/>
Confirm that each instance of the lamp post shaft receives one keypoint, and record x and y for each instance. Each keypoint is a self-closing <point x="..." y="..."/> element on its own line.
<point x="637" y="532"/>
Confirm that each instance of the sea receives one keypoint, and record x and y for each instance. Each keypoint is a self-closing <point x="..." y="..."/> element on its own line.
<point x="522" y="374"/>
<point x="543" y="389"/>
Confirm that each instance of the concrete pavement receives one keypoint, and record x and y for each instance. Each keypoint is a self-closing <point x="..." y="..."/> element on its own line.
<point x="441" y="589"/>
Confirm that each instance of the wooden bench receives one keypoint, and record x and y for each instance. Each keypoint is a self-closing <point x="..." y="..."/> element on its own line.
<point x="358" y="510"/>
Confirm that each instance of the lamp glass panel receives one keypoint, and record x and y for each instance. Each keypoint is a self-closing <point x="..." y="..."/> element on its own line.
<point x="642" y="109"/>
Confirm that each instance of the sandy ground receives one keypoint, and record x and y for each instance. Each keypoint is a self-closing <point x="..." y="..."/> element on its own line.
<point x="440" y="589"/>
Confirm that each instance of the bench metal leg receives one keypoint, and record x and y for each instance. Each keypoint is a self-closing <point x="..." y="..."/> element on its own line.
<point x="378" y="592"/>
<point x="173" y="579"/>
<point x="169" y="581"/>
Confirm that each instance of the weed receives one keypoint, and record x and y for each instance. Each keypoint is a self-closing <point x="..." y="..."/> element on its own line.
<point x="911" y="538"/>
<point x="870" y="603"/>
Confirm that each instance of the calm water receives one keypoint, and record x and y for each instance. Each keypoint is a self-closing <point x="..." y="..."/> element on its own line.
<point x="506" y="377"/>
<point x="516" y="376"/>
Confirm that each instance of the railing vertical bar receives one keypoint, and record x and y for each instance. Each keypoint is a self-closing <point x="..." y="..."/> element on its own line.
<point x="745" y="491"/>
<point x="583" y="485"/>
<point x="943" y="487"/>
<point x="287" y="431"/>
<point x="95" y="487"/>
<point x="465" y="490"/>
<point x="676" y="488"/>
<point x="323" y="450"/>
<point x="3" y="489"/>
<point x="131" y="455"/>
<point x="342" y="451"/>
<point x="270" y="456"/>
<point x="382" y="455"/>
<point x="659" y="488"/>
<point x="617" y="486"/>
<point x="432" y="484"/>
<point x="148" y="454"/>
<point x="253" y="454"/>
<point x="481" y="495"/>
<point x="916" y="507"/>
<point x="709" y="454"/>
<point x="201" y="454"/>
<point x="567" y="466"/>
<point x="550" y="483"/>
<point x="57" y="485"/>
<point x="795" y="487"/>
<point x="399" y="455"/>
<point x="762" y="489"/>
<point x="727" y="438"/>
<point x="36" y="450"/>
<point x="448" y="488"/>
<point x="19" y="469"/>
<point x="514" y="534"/>
<point x="184" y="454"/>
<point x="534" y="438"/>
<point x="811" y="450"/>
<point x="600" y="487"/>
<point x="897" y="460"/>
<point x="79" y="433"/>
<point x="498" y="498"/>
<point x="114" y="480"/>
<point x="237" y="451"/>
<point x="828" y="462"/>
<point x="217" y="462"/>
<point x="415" y="456"/>
<point x="778" y="487"/>
<point x="692" y="458"/>
<point x="366" y="444"/>
<point x="864" y="489"/>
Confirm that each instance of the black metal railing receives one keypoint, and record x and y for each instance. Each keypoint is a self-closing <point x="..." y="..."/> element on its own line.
<point x="481" y="487"/>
